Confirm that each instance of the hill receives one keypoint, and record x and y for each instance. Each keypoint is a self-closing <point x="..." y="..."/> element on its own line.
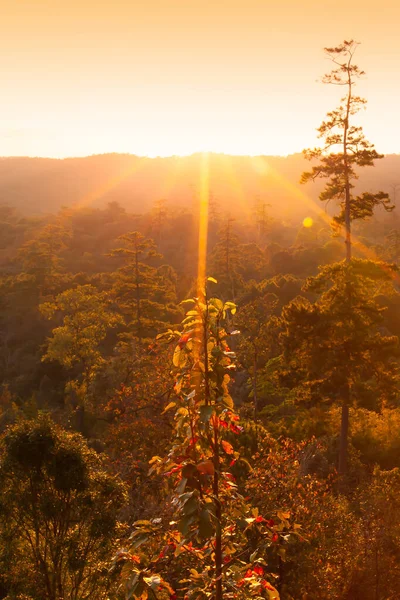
<point x="43" y="185"/>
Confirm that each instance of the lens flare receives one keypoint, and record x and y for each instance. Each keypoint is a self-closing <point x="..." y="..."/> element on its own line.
<point x="308" y="222"/>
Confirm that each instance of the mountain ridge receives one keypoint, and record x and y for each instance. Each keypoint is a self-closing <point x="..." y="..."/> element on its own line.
<point x="38" y="185"/>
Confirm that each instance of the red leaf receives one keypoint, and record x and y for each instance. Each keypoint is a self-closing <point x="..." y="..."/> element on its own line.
<point x="206" y="467"/>
<point x="259" y="519"/>
<point x="248" y="574"/>
<point x="184" y="339"/>
<point x="235" y="428"/>
<point x="135" y="559"/>
<point x="174" y="470"/>
<point x="267" y="585"/>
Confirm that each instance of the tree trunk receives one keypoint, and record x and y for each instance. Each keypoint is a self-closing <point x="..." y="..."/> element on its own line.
<point x="218" y="533"/>
<point x="344" y="429"/>
<point x="344" y="426"/>
<point x="255" y="397"/>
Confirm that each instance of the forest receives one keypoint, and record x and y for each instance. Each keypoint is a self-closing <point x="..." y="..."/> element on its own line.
<point x="200" y="397"/>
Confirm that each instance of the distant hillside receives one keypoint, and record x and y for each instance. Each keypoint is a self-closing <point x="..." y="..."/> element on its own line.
<point x="42" y="185"/>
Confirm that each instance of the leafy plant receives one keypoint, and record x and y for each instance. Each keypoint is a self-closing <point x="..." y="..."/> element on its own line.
<point x="212" y="542"/>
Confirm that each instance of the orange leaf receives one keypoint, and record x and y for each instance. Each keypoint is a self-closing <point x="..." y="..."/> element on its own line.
<point x="227" y="447"/>
<point x="206" y="467"/>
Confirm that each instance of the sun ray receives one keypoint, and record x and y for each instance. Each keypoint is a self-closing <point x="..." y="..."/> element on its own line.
<point x="111" y="183"/>
<point x="235" y="185"/>
<point x="369" y="253"/>
<point x="171" y="179"/>
<point x="204" y="192"/>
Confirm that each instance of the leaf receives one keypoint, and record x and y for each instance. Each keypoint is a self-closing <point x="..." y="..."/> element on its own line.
<point x="212" y="280"/>
<point x="206" y="529"/>
<point x="176" y="357"/>
<point x="206" y="413"/>
<point x="189" y="470"/>
<point x="180" y="358"/>
<point x="283" y="515"/>
<point x="253" y="556"/>
<point x="227" y="401"/>
<point x="170" y="405"/>
<point x="206" y="467"/>
<point x="139" y="540"/>
<point x="182" y="484"/>
<point x="190" y="506"/>
<point x="217" y="303"/>
<point x="185" y="523"/>
<point x="228" y="448"/>
<point x="282" y="553"/>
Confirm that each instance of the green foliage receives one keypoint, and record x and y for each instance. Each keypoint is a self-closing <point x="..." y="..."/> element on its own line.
<point x="229" y="510"/>
<point x="40" y="256"/>
<point x="345" y="149"/>
<point x="329" y="344"/>
<point x="145" y="293"/>
<point x="225" y="259"/>
<point x="58" y="513"/>
<point x="218" y="540"/>
<point x="87" y="318"/>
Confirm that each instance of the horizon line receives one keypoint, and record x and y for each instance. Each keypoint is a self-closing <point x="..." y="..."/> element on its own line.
<point x="160" y="156"/>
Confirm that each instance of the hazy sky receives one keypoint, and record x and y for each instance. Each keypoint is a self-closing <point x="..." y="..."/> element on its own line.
<point x="160" y="77"/>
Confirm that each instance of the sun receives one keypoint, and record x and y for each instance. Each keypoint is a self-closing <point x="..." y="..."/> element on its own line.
<point x="308" y="222"/>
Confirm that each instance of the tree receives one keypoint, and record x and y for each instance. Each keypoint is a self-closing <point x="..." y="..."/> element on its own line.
<point x="133" y="388"/>
<point x="345" y="150"/>
<point x="40" y="256"/>
<point x="320" y="564"/>
<point x="262" y="218"/>
<point x="58" y="514"/>
<point x="218" y="541"/>
<point x="144" y="292"/>
<point x="224" y="259"/>
<point x="253" y="322"/>
<point x="336" y="352"/>
<point x="87" y="318"/>
<point x="158" y="220"/>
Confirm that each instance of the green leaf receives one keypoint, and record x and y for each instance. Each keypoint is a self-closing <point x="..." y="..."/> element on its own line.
<point x="180" y="358"/>
<point x="189" y="470"/>
<point x="227" y="401"/>
<point x="206" y="413"/>
<point x="182" y="484"/>
<point x="206" y="529"/>
<point x="185" y="523"/>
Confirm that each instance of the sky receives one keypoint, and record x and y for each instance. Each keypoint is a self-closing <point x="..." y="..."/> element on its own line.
<point x="164" y="77"/>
